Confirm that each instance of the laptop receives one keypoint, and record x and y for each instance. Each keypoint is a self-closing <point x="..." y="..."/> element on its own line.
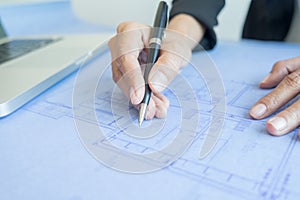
<point x="28" y="66"/>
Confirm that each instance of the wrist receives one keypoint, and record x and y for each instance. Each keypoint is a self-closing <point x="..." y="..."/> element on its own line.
<point x="187" y="26"/>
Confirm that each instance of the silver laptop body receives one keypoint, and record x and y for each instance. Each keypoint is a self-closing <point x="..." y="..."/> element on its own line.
<point x="23" y="77"/>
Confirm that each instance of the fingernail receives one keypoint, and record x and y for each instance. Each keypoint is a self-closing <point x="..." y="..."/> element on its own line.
<point x="258" y="110"/>
<point x="279" y="123"/>
<point x="265" y="79"/>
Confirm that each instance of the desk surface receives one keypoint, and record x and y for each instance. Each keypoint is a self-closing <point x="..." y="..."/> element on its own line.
<point x="42" y="156"/>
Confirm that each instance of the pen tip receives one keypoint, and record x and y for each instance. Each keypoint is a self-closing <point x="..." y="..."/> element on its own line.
<point x="142" y="113"/>
<point x="140" y="123"/>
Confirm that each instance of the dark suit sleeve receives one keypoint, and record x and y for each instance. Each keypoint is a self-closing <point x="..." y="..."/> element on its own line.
<point x="269" y="20"/>
<point x="205" y="12"/>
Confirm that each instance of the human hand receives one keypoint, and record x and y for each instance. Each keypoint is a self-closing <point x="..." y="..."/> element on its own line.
<point x="129" y="53"/>
<point x="285" y="75"/>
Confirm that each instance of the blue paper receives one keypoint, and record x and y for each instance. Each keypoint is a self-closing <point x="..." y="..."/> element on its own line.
<point x="42" y="156"/>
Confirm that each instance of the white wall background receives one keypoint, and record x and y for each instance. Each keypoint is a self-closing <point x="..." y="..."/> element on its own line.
<point x="231" y="19"/>
<point x="112" y="12"/>
<point x="8" y="2"/>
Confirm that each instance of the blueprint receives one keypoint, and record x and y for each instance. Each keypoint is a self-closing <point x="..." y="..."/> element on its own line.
<point x="43" y="156"/>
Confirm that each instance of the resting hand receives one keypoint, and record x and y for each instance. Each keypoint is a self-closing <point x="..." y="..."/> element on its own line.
<point x="285" y="75"/>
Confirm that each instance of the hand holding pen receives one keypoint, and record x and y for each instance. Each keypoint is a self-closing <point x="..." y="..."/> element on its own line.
<point x="157" y="32"/>
<point x="129" y="51"/>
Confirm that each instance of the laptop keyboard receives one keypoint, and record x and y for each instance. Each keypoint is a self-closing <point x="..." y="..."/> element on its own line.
<point x="16" y="48"/>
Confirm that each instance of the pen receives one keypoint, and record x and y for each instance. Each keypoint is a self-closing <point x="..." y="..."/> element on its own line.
<point x="160" y="24"/>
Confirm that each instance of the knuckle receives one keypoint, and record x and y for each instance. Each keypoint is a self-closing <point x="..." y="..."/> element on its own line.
<point x="120" y="60"/>
<point x="280" y="66"/>
<point x="165" y="74"/>
<point x="292" y="114"/>
<point x="167" y="103"/>
<point x="271" y="100"/>
<point x="110" y="42"/>
<point x="113" y="41"/>
<point x="128" y="26"/>
<point x="121" y="27"/>
<point x="174" y="62"/>
<point x="116" y="76"/>
<point x="293" y="80"/>
<point x="128" y="58"/>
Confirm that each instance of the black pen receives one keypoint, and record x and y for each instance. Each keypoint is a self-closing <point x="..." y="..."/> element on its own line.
<point x="160" y="24"/>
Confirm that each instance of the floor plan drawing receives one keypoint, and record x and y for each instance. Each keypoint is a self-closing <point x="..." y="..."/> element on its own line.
<point x="246" y="162"/>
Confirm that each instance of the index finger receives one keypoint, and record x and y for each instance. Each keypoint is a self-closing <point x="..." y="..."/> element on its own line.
<point x="125" y="48"/>
<point x="279" y="71"/>
<point x="287" y="89"/>
<point x="131" y="38"/>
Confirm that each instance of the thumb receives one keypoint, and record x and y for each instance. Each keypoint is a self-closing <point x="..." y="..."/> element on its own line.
<point x="164" y="71"/>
